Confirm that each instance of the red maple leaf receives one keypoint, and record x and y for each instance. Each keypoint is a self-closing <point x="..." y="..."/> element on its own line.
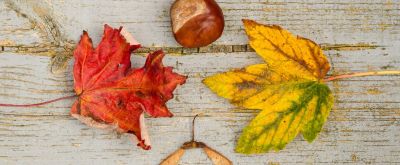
<point x="110" y="93"/>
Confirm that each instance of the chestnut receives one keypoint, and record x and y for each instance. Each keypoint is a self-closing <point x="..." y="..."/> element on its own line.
<point x="196" y="23"/>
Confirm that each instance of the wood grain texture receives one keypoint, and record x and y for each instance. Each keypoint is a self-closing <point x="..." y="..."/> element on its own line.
<point x="363" y="127"/>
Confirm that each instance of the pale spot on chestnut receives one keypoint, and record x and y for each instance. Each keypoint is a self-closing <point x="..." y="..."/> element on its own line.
<point x="196" y="23"/>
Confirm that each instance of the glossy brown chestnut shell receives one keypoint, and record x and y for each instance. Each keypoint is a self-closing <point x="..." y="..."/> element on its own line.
<point x="196" y="23"/>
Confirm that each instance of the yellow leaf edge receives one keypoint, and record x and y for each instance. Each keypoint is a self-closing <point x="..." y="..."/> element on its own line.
<point x="209" y="81"/>
<point x="323" y="62"/>
<point x="274" y="130"/>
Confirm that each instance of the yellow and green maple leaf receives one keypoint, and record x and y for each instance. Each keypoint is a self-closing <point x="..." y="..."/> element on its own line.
<point x="288" y="89"/>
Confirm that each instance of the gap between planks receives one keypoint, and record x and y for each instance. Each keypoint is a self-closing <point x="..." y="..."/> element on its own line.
<point x="43" y="50"/>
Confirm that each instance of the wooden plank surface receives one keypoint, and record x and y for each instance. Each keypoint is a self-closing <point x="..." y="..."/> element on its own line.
<point x="363" y="127"/>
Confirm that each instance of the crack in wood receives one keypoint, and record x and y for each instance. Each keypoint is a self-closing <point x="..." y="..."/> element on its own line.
<point x="44" y="49"/>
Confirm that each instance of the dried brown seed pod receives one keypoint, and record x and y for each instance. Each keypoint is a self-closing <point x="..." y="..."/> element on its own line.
<point x="216" y="157"/>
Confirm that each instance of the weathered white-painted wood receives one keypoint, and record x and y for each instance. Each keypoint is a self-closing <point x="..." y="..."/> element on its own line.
<point x="363" y="127"/>
<point x="14" y="30"/>
<point x="330" y="21"/>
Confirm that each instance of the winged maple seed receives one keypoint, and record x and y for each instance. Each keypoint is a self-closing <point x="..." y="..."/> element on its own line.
<point x="112" y="93"/>
<point x="288" y="89"/>
<point x="216" y="157"/>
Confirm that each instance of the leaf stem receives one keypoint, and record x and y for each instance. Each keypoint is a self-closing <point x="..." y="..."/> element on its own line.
<point x="37" y="104"/>
<point x="193" y="126"/>
<point x="360" y="74"/>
